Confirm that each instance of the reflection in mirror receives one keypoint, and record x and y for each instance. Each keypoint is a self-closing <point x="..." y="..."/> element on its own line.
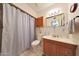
<point x="54" y="23"/>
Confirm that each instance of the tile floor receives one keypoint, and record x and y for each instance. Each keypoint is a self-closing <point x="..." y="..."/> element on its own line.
<point x="32" y="52"/>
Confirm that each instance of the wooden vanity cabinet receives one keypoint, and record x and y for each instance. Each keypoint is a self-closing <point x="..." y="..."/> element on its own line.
<point x="55" y="48"/>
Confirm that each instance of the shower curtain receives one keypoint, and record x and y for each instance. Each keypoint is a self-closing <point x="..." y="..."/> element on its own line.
<point x="18" y="30"/>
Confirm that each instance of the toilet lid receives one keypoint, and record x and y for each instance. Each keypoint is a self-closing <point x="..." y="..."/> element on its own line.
<point x="36" y="42"/>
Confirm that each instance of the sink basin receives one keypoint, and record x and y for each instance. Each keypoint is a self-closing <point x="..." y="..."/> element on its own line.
<point x="55" y="36"/>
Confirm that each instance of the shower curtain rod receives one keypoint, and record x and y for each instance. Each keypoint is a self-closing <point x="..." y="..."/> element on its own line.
<point x="21" y="9"/>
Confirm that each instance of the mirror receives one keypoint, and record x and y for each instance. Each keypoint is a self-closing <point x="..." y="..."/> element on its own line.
<point x="55" y="21"/>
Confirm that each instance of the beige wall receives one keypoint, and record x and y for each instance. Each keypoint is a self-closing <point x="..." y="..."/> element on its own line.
<point x="26" y="8"/>
<point x="63" y="6"/>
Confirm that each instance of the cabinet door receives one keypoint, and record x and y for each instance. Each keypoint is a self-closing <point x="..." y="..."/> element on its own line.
<point x="53" y="49"/>
<point x="47" y="49"/>
<point x="67" y="52"/>
<point x="60" y="51"/>
<point x="63" y="51"/>
<point x="39" y="22"/>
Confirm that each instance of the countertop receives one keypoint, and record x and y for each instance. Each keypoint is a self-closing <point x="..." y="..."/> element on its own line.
<point x="64" y="40"/>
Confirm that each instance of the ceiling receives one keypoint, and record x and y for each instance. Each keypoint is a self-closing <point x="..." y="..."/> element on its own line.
<point x="39" y="6"/>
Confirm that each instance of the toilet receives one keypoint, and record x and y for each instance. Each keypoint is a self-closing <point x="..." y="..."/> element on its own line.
<point x="35" y="44"/>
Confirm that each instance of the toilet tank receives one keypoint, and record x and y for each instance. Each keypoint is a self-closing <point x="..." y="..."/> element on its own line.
<point x="39" y="36"/>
